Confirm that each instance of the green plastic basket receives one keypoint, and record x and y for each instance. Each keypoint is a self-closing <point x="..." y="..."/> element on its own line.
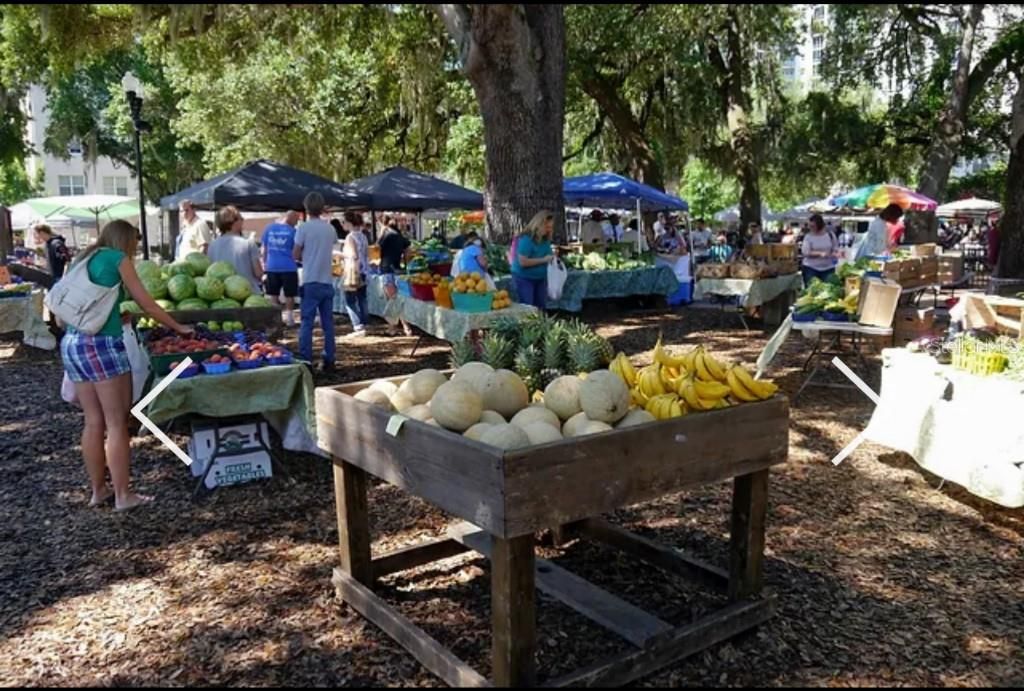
<point x="464" y="302"/>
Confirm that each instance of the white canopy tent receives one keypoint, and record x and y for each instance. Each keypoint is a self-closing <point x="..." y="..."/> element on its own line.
<point x="969" y="207"/>
<point x="732" y="215"/>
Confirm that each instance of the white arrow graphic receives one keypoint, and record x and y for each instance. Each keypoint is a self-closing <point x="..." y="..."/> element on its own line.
<point x="862" y="385"/>
<point x="157" y="390"/>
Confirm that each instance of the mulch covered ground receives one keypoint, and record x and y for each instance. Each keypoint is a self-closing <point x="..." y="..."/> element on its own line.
<point x="882" y="579"/>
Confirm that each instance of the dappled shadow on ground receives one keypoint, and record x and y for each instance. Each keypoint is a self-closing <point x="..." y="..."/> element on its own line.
<point x="882" y="579"/>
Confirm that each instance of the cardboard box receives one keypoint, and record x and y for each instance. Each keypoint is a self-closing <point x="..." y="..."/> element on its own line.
<point x="929" y="266"/>
<point x="241" y="458"/>
<point x="927" y="249"/>
<point x="911" y="320"/>
<point x="910" y="269"/>
<point x="879" y="299"/>
<point x="893" y="269"/>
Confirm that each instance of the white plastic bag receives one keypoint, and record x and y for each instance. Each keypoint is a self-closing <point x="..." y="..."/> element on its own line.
<point x="67" y="391"/>
<point x="456" y="262"/>
<point x="557" y="276"/>
<point x="140" y="361"/>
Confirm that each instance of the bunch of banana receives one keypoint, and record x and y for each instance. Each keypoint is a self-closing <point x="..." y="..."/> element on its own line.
<point x="708" y="369"/>
<point x="649" y="382"/>
<point x="664" y="359"/>
<point x="747" y="389"/>
<point x="624" y="368"/>
<point x="703" y="395"/>
<point x="665" y="406"/>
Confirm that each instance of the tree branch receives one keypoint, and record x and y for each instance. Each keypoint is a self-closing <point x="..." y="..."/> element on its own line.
<point x="457" y="19"/>
<point x="588" y="140"/>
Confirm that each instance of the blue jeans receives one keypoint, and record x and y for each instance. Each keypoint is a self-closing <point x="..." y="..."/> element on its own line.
<point x="317" y="297"/>
<point x="810" y="273"/>
<point x="355" y="304"/>
<point x="532" y="292"/>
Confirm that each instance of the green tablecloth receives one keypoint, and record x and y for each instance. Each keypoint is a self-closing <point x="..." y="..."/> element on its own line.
<point x="25" y="314"/>
<point x="282" y="394"/>
<point x="753" y="293"/>
<point x="957" y="425"/>
<point x="448" y="325"/>
<point x="598" y="285"/>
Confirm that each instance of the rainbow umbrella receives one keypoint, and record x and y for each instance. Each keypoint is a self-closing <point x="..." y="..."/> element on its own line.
<point x="881" y="196"/>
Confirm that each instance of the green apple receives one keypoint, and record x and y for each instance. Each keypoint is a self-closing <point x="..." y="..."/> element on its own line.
<point x="214" y="326"/>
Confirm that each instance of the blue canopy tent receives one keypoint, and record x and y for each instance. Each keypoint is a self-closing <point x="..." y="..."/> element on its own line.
<point x="609" y="190"/>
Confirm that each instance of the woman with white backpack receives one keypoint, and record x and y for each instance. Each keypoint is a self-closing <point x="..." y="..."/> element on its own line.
<point x="95" y="356"/>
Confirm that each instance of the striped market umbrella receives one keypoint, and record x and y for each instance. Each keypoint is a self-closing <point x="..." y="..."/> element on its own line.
<point x="881" y="196"/>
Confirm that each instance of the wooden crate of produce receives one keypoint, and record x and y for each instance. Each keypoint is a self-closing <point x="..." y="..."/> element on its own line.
<point x="506" y="497"/>
<point x="989" y="311"/>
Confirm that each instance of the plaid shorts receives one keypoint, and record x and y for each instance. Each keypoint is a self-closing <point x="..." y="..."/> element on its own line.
<point x="93" y="358"/>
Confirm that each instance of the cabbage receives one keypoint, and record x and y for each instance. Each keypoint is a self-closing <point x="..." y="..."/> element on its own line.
<point x="193" y="304"/>
<point x="237" y="288"/>
<point x="226" y="304"/>
<point x="130" y="306"/>
<point x="220" y="270"/>
<point x="257" y="301"/>
<point x="199" y="263"/>
<point x="179" y="269"/>
<point x="165" y="305"/>
<point x="147" y="268"/>
<point x="155" y="286"/>
<point x="209" y="289"/>
<point x="181" y="287"/>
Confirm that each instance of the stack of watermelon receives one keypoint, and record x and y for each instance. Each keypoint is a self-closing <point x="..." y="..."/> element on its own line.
<point x="195" y="283"/>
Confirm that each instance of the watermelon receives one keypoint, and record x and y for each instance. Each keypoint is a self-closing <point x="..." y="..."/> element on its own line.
<point x="181" y="287"/>
<point x="257" y="301"/>
<point x="193" y="304"/>
<point x="226" y="304"/>
<point x="130" y="306"/>
<point x="237" y="288"/>
<point x="199" y="263"/>
<point x="155" y="286"/>
<point x="147" y="268"/>
<point x="220" y="270"/>
<point x="179" y="269"/>
<point x="209" y="289"/>
<point x="165" y="305"/>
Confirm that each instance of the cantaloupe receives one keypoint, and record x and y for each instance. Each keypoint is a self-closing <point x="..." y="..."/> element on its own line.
<point x="375" y="397"/>
<point x="456" y="406"/>
<point x="634" y="418"/>
<point x="477" y="431"/>
<point x="505" y="393"/>
<point x="421" y="386"/>
<point x="529" y="416"/>
<point x="384" y="386"/>
<point x="475" y="374"/>
<point x="418" y="412"/>
<point x="493" y="418"/>
<point x="604" y="397"/>
<point x="576" y="421"/>
<point x="562" y="397"/>
<point x="433" y="423"/>
<point x="505" y="437"/>
<point x="591" y="427"/>
<point x="402" y="401"/>
<point x="542" y="433"/>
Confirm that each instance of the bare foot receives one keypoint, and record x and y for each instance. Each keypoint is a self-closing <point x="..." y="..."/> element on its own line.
<point x="132" y="501"/>
<point x="101" y="498"/>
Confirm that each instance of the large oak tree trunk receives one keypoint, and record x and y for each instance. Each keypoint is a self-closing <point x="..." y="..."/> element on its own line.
<point x="1011" y="228"/>
<point x="514" y="57"/>
<point x="949" y="135"/>
<point x="741" y="134"/>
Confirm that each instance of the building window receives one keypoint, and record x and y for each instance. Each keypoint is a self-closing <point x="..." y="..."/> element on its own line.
<point x="117" y="184"/>
<point x="71" y="185"/>
<point x="819" y="13"/>
<point x="819" y="50"/>
<point x="75" y="147"/>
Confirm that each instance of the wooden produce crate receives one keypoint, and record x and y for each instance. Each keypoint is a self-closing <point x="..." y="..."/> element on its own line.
<point x="506" y="497"/>
<point x="989" y="311"/>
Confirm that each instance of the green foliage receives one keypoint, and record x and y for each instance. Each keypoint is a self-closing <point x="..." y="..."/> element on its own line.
<point x="988" y="184"/>
<point x="706" y="189"/>
<point x="15" y="185"/>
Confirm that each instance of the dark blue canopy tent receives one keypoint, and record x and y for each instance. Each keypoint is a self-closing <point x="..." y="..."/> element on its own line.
<point x="609" y="190"/>
<point x="401" y="189"/>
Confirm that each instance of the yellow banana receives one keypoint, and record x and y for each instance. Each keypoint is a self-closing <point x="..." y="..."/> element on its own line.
<point x="638" y="397"/>
<point x="755" y="387"/>
<point x="723" y="403"/>
<point x="676" y="408"/>
<point x="711" y="391"/>
<point x="738" y="390"/>
<point x="702" y="368"/>
<point x="690" y="359"/>
<point x="662" y="357"/>
<point x="715" y="368"/>
<point x="650" y="381"/>
<point x="690" y="396"/>
<point x="624" y="369"/>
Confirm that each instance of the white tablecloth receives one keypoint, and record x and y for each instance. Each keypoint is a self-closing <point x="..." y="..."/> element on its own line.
<point x="752" y="293"/>
<point x="25" y="314"/>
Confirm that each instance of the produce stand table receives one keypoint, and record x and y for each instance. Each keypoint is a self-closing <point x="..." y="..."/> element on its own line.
<point x="602" y="285"/>
<point x="25" y="314"/>
<point x="267" y="319"/>
<point x="445" y="324"/>
<point x="506" y="497"/>
<point x="959" y="426"/>
<point x="830" y="343"/>
<point x="776" y="295"/>
<point x="283" y="394"/>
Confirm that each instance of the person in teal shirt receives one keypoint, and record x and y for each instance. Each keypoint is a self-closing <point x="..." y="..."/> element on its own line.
<point x="531" y="254"/>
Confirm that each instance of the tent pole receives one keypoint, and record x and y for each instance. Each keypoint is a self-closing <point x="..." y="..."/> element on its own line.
<point x="639" y="232"/>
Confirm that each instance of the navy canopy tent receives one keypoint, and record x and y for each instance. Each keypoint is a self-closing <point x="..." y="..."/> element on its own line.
<point x="265" y="186"/>
<point x="609" y="190"/>
<point x="401" y="189"/>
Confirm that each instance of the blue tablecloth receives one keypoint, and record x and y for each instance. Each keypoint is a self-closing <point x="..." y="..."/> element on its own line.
<point x="598" y="285"/>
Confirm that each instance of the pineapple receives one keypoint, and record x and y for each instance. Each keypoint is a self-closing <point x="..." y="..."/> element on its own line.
<point x="507" y="328"/>
<point x="528" y="364"/>
<point x="554" y="349"/>
<point x="463" y="352"/>
<point x="584" y="355"/>
<point x="605" y="351"/>
<point x="533" y="329"/>
<point x="497" y="351"/>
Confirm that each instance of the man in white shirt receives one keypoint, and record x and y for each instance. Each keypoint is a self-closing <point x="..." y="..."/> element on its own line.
<point x="592" y="232"/>
<point x="612" y="229"/>
<point x="195" y="234"/>
<point x="700" y="238"/>
<point x="661" y="225"/>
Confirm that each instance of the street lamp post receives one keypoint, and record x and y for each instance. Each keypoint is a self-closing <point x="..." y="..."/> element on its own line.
<point x="133" y="92"/>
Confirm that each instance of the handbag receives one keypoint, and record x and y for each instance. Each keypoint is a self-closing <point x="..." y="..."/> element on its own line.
<point x="80" y="303"/>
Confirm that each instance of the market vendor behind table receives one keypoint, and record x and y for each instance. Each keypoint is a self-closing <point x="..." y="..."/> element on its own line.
<point x="239" y="252"/>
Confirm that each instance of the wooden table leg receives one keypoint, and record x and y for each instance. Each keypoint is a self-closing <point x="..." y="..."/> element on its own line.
<point x="749" y="511"/>
<point x="353" y="521"/>
<point x="513" y="602"/>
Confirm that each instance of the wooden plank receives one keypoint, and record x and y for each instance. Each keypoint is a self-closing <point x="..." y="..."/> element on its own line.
<point x="674" y="646"/>
<point x="416" y="555"/>
<point x="353" y="521"/>
<point x="749" y="512"/>
<point x="458" y="475"/>
<point x="565" y="482"/>
<point x="656" y="554"/>
<point x="513" y="613"/>
<point x="427" y="651"/>
<point x="618" y="616"/>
